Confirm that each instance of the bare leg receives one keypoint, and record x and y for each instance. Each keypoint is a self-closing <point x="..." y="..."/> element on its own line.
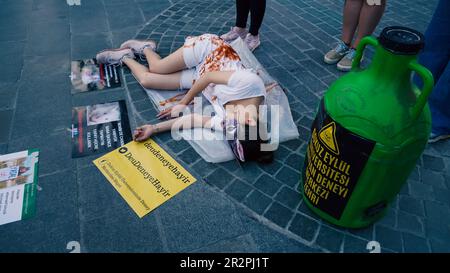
<point x="369" y="18"/>
<point x="135" y="67"/>
<point x="170" y="64"/>
<point x="153" y="80"/>
<point x="352" y="9"/>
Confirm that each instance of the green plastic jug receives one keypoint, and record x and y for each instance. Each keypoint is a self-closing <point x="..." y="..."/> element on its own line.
<point x="371" y="127"/>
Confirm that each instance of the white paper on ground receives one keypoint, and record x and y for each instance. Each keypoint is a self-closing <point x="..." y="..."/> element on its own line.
<point x="213" y="148"/>
<point x="12" y="204"/>
<point x="17" y="198"/>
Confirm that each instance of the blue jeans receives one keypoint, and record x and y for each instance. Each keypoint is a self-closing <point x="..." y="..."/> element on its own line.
<point x="436" y="57"/>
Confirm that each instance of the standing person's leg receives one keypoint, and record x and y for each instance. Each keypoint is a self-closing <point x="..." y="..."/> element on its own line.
<point x="439" y="102"/>
<point x="242" y="10"/>
<point x="239" y="30"/>
<point x="257" y="10"/>
<point x="436" y="53"/>
<point x="351" y="14"/>
<point x="436" y="57"/>
<point x="369" y="18"/>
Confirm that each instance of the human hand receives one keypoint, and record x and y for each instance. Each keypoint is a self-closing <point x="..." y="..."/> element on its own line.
<point x="171" y="112"/>
<point x="143" y="133"/>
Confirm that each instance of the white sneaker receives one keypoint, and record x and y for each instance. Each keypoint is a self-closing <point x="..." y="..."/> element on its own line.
<point x="234" y="33"/>
<point x="252" y="41"/>
<point x="138" y="46"/>
<point x="114" y="56"/>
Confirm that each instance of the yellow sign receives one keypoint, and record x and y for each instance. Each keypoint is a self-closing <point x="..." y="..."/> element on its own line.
<point x="144" y="174"/>
<point x="328" y="137"/>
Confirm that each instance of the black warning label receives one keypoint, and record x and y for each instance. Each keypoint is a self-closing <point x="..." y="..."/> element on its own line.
<point x="334" y="161"/>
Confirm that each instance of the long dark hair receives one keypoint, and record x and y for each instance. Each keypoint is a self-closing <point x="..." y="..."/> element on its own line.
<point x="251" y="142"/>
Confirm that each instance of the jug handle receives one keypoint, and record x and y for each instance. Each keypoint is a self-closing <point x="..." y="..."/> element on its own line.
<point x="428" y="84"/>
<point x="368" y="40"/>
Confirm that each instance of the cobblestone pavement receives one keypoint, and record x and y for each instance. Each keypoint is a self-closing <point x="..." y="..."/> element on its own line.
<point x="256" y="208"/>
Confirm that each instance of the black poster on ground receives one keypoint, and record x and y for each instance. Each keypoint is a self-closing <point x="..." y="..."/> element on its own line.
<point x="88" y="75"/>
<point x="99" y="128"/>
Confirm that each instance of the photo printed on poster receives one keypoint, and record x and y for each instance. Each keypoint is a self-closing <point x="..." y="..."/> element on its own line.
<point x="88" y="75"/>
<point x="99" y="128"/>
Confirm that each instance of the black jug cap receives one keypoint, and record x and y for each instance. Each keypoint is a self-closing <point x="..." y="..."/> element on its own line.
<point x="402" y="40"/>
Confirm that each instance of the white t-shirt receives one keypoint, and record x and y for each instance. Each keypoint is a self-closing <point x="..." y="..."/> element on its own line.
<point x="242" y="84"/>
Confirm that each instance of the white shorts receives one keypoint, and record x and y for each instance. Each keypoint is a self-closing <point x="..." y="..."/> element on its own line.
<point x="195" y="50"/>
<point x="188" y="77"/>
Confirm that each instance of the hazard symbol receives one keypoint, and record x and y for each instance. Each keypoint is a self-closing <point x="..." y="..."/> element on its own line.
<point x="328" y="137"/>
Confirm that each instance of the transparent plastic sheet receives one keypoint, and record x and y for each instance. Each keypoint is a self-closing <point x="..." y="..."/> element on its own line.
<point x="212" y="148"/>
